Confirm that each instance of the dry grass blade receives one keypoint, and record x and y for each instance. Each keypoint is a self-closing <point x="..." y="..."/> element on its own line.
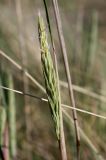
<point x="64" y="52"/>
<point x="46" y="100"/>
<point x="85" y="91"/>
<point x="62" y="83"/>
<point x="85" y="138"/>
<point x="20" y="68"/>
<point x="75" y="87"/>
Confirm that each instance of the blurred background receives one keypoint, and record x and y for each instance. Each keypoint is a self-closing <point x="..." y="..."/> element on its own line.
<point x="84" y="27"/>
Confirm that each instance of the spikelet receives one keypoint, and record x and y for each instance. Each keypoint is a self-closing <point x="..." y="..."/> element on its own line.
<point x="49" y="76"/>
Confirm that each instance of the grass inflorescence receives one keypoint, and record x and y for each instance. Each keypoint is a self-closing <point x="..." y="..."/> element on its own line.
<point x="49" y="76"/>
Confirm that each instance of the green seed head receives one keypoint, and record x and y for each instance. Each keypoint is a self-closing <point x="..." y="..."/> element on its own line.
<point x="49" y="76"/>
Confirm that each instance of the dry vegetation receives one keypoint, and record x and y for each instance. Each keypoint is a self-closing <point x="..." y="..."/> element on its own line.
<point x="84" y="30"/>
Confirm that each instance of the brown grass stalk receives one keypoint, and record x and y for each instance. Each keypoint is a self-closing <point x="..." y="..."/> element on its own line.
<point x="64" y="52"/>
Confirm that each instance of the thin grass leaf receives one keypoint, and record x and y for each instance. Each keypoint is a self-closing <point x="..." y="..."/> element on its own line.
<point x="12" y="119"/>
<point x="2" y="123"/>
<point x="4" y="152"/>
<point x="93" y="41"/>
<point x="2" y="114"/>
<point x="64" y="53"/>
<point x="2" y="128"/>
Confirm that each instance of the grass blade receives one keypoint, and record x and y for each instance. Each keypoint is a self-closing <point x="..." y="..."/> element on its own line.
<point x="64" y="52"/>
<point x="12" y="119"/>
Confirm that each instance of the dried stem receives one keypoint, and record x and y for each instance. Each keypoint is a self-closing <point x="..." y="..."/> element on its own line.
<point x="64" y="52"/>
<point x="85" y="138"/>
<point x="62" y="83"/>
